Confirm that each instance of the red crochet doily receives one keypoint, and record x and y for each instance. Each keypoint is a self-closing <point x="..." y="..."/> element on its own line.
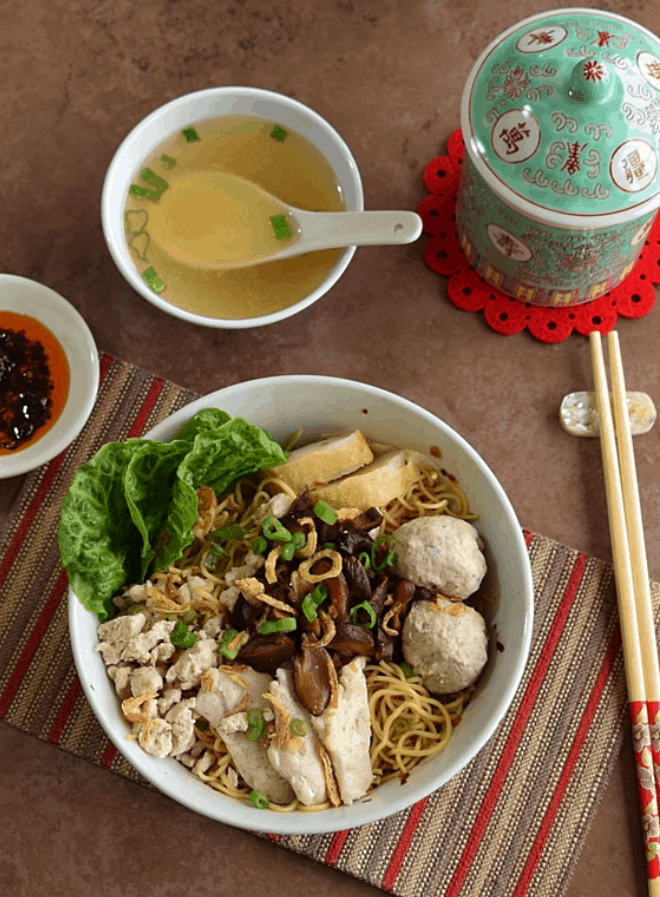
<point x="467" y="290"/>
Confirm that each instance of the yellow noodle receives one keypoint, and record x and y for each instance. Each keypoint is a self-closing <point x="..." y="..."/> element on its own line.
<point x="395" y="752"/>
<point x="430" y="487"/>
<point x="280" y="486"/>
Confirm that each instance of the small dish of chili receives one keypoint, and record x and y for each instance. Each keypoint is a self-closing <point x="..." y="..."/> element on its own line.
<point x="49" y="374"/>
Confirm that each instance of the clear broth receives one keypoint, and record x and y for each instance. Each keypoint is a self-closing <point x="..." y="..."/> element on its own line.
<point x="291" y="169"/>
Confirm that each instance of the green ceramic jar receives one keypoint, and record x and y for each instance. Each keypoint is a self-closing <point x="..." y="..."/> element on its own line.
<point x="560" y="183"/>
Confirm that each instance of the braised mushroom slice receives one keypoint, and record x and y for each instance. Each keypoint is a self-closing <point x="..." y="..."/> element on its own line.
<point x="404" y="592"/>
<point x="282" y="591"/>
<point x="379" y="594"/>
<point x="352" y="540"/>
<point x="368" y="519"/>
<point x="313" y="626"/>
<point x="384" y="646"/>
<point x="328" y="532"/>
<point x="338" y="597"/>
<point x="244" y="614"/>
<point x="300" y="507"/>
<point x="357" y="579"/>
<point x="351" y="640"/>
<point x="265" y="653"/>
<point x="314" y="676"/>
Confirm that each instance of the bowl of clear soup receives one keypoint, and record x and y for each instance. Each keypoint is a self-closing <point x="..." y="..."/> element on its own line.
<point x="153" y="212"/>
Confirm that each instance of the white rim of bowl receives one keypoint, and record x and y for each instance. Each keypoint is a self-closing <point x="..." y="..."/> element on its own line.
<point x="114" y="235"/>
<point x="83" y="360"/>
<point x="341" y="817"/>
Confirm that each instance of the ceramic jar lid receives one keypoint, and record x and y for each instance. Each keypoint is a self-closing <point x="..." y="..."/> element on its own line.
<point x="561" y="116"/>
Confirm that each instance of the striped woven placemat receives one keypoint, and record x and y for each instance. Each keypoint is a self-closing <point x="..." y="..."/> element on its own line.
<point x="512" y="823"/>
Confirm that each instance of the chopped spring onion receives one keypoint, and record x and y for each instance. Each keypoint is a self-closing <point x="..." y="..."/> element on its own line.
<point x="182" y="637"/>
<point x="286" y="624"/>
<point x="381" y="540"/>
<point x="259" y="800"/>
<point x="387" y="560"/>
<point x="309" y="608"/>
<point x="298" y="727"/>
<point x="190" y="616"/>
<point x="259" y="545"/>
<point x="190" y="134"/>
<point x="325" y="513"/>
<point x="154" y="282"/>
<point x="313" y="600"/>
<point x="278" y="133"/>
<point x="256" y="724"/>
<point x="407" y="670"/>
<point x="364" y="559"/>
<point x="370" y="612"/>
<point x="400" y="725"/>
<point x="227" y="638"/>
<point x="201" y="724"/>
<point x="288" y="551"/>
<point x="274" y="530"/>
<point x="320" y="593"/>
<point x="224" y="533"/>
<point x="158" y="185"/>
<point x="299" y="540"/>
<point x="281" y="227"/>
<point x="329" y="546"/>
<point x="389" y="557"/>
<point x="167" y="161"/>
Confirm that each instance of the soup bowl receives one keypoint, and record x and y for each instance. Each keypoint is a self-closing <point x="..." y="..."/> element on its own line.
<point x="184" y="113"/>
<point x="318" y="406"/>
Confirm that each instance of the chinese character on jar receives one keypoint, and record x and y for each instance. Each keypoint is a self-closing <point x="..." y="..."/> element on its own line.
<point x="634" y="167"/>
<point x="513" y="136"/>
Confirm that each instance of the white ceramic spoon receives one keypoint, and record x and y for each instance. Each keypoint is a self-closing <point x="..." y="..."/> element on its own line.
<point x="216" y="220"/>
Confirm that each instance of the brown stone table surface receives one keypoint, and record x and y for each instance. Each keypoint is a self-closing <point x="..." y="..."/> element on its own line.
<point x="75" y="76"/>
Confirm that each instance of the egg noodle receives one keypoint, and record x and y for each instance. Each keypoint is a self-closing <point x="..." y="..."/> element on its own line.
<point x="408" y="723"/>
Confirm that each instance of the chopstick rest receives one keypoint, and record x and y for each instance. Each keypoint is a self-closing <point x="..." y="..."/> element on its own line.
<point x="578" y="414"/>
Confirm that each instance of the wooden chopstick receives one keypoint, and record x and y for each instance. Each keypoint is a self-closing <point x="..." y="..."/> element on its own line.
<point x="635" y="527"/>
<point x="633" y="592"/>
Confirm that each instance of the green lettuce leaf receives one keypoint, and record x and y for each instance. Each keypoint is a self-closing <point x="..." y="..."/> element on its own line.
<point x="177" y="533"/>
<point x="218" y="458"/>
<point x="223" y="455"/>
<point x="131" y="508"/>
<point x="98" y="541"/>
<point x="148" y="482"/>
<point x="206" y="419"/>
